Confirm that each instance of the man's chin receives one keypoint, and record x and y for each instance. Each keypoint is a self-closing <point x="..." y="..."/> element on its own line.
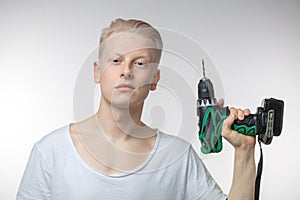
<point x="128" y="100"/>
<point x="126" y="104"/>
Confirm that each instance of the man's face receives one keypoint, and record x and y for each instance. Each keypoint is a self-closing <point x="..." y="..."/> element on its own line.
<point x="127" y="69"/>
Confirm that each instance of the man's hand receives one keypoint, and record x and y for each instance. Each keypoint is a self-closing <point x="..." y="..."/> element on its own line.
<point x="237" y="140"/>
<point x="233" y="137"/>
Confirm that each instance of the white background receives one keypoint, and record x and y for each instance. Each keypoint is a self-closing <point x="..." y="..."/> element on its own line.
<point x="255" y="46"/>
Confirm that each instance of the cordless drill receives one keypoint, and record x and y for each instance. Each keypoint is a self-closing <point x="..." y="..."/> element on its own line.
<point x="266" y="122"/>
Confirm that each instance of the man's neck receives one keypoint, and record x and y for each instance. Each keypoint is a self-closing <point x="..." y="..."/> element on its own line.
<point x="122" y="123"/>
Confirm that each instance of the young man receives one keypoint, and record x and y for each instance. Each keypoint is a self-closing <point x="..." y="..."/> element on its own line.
<point x="113" y="154"/>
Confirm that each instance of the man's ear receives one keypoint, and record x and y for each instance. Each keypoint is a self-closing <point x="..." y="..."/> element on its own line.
<point x="156" y="79"/>
<point x="97" y="72"/>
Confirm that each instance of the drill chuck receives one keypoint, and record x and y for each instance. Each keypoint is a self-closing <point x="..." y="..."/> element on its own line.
<point x="206" y="95"/>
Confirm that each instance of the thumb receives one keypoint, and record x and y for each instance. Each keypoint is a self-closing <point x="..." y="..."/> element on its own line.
<point x="221" y="102"/>
<point x="226" y="129"/>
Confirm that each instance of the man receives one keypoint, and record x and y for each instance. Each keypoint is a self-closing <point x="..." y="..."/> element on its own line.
<point x="113" y="154"/>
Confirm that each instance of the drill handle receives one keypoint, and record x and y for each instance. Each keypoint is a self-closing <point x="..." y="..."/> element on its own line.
<point x="247" y="126"/>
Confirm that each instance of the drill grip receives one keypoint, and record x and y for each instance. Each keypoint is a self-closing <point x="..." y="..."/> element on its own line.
<point x="247" y="126"/>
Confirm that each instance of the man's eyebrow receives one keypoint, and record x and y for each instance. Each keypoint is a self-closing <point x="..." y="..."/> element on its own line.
<point x="115" y="54"/>
<point x="138" y="56"/>
<point x="143" y="56"/>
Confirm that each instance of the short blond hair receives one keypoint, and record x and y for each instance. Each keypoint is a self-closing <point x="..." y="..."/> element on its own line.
<point x="132" y="26"/>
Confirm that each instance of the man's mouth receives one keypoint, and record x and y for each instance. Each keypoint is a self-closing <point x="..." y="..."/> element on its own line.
<point x="125" y="87"/>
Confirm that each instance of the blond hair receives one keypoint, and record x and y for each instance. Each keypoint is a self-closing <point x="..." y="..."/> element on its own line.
<point x="132" y="26"/>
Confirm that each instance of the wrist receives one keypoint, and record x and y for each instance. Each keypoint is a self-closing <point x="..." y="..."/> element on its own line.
<point x="245" y="155"/>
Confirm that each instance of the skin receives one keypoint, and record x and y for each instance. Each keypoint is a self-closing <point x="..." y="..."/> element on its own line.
<point x="126" y="73"/>
<point x="126" y="76"/>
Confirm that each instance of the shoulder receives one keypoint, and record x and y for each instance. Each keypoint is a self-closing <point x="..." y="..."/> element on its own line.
<point x="52" y="148"/>
<point x="172" y="141"/>
<point x="170" y="149"/>
<point x="54" y="140"/>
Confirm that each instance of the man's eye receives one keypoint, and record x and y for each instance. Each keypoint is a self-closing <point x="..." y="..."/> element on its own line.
<point x="140" y="64"/>
<point x="116" y="61"/>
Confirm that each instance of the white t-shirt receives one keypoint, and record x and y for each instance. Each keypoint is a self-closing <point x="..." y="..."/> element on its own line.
<point x="172" y="171"/>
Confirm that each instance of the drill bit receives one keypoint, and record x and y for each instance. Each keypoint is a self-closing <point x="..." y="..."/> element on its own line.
<point x="203" y="69"/>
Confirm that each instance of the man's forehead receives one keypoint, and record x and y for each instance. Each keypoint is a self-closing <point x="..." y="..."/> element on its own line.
<point x="125" y="42"/>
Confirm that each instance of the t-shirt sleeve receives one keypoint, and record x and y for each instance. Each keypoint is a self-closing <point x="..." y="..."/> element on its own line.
<point x="200" y="183"/>
<point x="36" y="180"/>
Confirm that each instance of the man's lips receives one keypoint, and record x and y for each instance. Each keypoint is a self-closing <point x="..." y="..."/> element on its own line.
<point x="124" y="86"/>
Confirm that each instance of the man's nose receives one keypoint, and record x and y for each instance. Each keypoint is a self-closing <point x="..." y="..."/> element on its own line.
<point x="126" y="71"/>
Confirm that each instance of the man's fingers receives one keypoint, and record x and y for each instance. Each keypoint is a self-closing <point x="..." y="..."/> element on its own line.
<point x="247" y="112"/>
<point x="239" y="113"/>
<point x="234" y="112"/>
